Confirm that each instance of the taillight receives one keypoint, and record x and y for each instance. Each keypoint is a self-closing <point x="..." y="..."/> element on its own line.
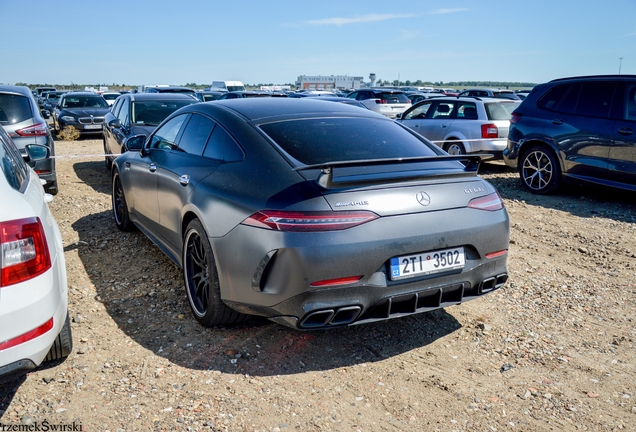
<point x="25" y="252"/>
<point x="339" y="281"/>
<point x="27" y="336"/>
<point x="381" y="101"/>
<point x="490" y="202"/>
<point x="40" y="129"/>
<point x="489" y="131"/>
<point x="496" y="254"/>
<point x="308" y="221"/>
<point x="515" y="117"/>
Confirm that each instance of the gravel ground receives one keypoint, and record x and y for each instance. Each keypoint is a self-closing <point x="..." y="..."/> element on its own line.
<point x="552" y="350"/>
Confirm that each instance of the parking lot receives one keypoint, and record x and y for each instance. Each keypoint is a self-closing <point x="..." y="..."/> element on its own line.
<point x="551" y="350"/>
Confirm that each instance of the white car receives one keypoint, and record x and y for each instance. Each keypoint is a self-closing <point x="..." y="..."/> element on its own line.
<point x="110" y="97"/>
<point x="388" y="102"/>
<point x="34" y="322"/>
<point x="462" y="125"/>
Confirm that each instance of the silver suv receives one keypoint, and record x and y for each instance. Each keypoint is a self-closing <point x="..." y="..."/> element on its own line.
<point x="21" y="119"/>
<point x="463" y="125"/>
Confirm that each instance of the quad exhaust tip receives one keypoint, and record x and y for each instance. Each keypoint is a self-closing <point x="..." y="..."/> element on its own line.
<point x="331" y="317"/>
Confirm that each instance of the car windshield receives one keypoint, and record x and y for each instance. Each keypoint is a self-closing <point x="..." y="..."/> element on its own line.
<point x="84" y="102"/>
<point x="151" y="113"/>
<point x="501" y="110"/>
<point x="14" y="109"/>
<point x="315" y="141"/>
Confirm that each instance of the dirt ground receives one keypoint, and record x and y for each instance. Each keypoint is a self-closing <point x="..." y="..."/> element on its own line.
<point x="552" y="350"/>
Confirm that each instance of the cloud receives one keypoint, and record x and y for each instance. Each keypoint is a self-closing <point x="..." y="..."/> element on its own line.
<point x="358" y="19"/>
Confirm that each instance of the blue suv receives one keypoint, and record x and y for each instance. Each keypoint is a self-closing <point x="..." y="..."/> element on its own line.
<point x="578" y="129"/>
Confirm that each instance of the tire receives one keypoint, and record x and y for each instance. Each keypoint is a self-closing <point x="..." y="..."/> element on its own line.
<point x="56" y="126"/>
<point x="455" y="148"/>
<point x="51" y="188"/>
<point x="63" y="344"/>
<point x="201" y="280"/>
<point x="120" y="208"/>
<point x="107" y="161"/>
<point x="539" y="170"/>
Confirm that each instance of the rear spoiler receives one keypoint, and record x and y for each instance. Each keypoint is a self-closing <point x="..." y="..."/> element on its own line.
<point x="326" y="178"/>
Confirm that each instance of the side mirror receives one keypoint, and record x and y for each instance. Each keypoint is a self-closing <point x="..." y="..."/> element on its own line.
<point x="36" y="152"/>
<point x="135" y="143"/>
<point x="399" y="116"/>
<point x="114" y="123"/>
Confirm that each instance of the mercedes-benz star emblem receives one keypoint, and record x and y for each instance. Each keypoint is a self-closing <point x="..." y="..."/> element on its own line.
<point x="423" y="198"/>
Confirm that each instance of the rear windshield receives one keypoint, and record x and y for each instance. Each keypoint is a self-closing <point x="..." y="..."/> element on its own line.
<point x="393" y="97"/>
<point x="501" y="110"/>
<point x="14" y="109"/>
<point x="84" y="102"/>
<point x="110" y="96"/>
<point x="315" y="141"/>
<point x="151" y="113"/>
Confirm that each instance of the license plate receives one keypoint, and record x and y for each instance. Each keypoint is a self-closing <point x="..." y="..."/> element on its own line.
<point x="427" y="263"/>
<point x="92" y="126"/>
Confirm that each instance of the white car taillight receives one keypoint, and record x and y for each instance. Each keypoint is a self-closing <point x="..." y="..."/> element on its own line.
<point x="25" y="252"/>
<point x="40" y="129"/>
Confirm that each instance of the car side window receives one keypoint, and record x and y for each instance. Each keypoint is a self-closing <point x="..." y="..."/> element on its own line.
<point x="418" y="112"/>
<point x="221" y="146"/>
<point x="467" y="111"/>
<point x="165" y="137"/>
<point x="630" y="102"/>
<point x="13" y="166"/>
<point x="596" y="99"/>
<point x="553" y="97"/>
<point x="115" y="109"/>
<point x="124" y="113"/>
<point x="353" y="95"/>
<point x="195" y="135"/>
<point x="442" y="110"/>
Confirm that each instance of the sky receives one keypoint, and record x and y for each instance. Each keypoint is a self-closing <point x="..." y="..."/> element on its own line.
<point x="138" y="42"/>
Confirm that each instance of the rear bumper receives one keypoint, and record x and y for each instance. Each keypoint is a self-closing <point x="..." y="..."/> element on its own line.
<point x="511" y="154"/>
<point x="272" y="276"/>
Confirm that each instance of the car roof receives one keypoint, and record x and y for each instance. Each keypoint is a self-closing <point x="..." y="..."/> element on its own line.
<point x="81" y="93"/>
<point x="16" y="89"/>
<point x="270" y="109"/>
<point x="600" y="77"/>
<point x="467" y="99"/>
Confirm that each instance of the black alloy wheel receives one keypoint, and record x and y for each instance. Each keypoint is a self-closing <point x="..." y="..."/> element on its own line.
<point x="120" y="208"/>
<point x="202" y="281"/>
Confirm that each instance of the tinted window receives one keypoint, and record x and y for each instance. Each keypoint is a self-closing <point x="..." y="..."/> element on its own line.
<point x="392" y="97"/>
<point x="115" y="108"/>
<point x="196" y="134"/>
<point x="13" y="166"/>
<point x="596" y="99"/>
<point x="221" y="146"/>
<point x="500" y="111"/>
<point x="14" y="109"/>
<point x="166" y="136"/>
<point x="552" y="98"/>
<point x="83" y="102"/>
<point x="630" y="105"/>
<point x="466" y="111"/>
<point x="151" y="113"/>
<point x="570" y="100"/>
<point x="313" y="141"/>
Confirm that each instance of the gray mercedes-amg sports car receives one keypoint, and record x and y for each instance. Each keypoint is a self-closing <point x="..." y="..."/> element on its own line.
<point x="313" y="215"/>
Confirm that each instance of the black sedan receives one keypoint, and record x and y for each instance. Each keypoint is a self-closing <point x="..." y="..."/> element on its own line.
<point x="83" y="110"/>
<point x="137" y="114"/>
<point x="311" y="216"/>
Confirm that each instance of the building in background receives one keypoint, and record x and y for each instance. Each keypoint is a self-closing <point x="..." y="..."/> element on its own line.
<point x="331" y="82"/>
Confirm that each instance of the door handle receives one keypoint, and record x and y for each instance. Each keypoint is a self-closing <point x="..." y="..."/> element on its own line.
<point x="184" y="180"/>
<point x="557" y="121"/>
<point x="625" y="131"/>
<point x="152" y="167"/>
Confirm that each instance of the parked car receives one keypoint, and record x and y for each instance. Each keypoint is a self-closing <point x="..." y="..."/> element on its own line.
<point x="419" y="97"/>
<point x="137" y="114"/>
<point x="310" y="217"/>
<point x="578" y="129"/>
<point x="207" y="96"/>
<point x="492" y="93"/>
<point x="463" y="125"/>
<point x="170" y="89"/>
<point x="244" y="94"/>
<point x="110" y="97"/>
<point x="22" y="120"/>
<point x="50" y="102"/>
<point x="83" y="110"/>
<point x="343" y="100"/>
<point x="387" y="102"/>
<point x="34" y="322"/>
